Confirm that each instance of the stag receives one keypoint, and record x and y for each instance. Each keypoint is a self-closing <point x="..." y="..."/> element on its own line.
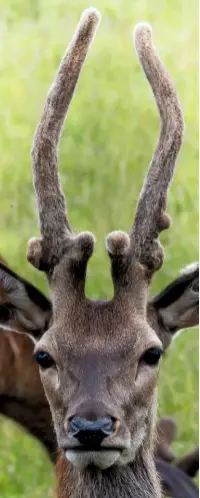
<point x="99" y="361"/>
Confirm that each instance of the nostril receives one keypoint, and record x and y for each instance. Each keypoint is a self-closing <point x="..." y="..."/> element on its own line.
<point x="111" y="426"/>
<point x="73" y="428"/>
<point x="116" y="426"/>
<point x="91" y="433"/>
<point x="108" y="428"/>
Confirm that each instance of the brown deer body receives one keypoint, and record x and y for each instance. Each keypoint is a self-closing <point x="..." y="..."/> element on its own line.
<point x="22" y="397"/>
<point x="23" y="308"/>
<point x="99" y="360"/>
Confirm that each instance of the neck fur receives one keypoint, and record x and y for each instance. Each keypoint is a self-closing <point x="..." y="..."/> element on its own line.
<point x="136" y="480"/>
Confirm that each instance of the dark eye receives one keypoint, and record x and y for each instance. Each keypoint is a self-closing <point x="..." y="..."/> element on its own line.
<point x="5" y="313"/>
<point x="152" y="356"/>
<point x="44" y="359"/>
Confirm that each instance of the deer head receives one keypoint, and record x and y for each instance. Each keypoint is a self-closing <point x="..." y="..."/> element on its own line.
<point x="99" y="361"/>
<point x="24" y="309"/>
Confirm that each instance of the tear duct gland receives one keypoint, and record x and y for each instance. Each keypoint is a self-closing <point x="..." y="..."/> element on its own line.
<point x="99" y="355"/>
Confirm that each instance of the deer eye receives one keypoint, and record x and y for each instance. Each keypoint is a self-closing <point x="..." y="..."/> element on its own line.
<point x="44" y="359"/>
<point x="5" y="313"/>
<point x="152" y="356"/>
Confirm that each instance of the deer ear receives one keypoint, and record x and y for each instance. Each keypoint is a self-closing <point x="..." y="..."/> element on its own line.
<point x="23" y="308"/>
<point x="177" y="306"/>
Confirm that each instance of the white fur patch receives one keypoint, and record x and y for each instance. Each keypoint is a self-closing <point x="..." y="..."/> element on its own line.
<point x="190" y="268"/>
<point x="101" y="459"/>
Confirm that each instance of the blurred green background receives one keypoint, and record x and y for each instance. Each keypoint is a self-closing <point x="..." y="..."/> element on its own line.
<point x="105" y="150"/>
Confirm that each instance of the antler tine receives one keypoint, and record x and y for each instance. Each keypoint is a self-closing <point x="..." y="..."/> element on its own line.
<point x="150" y="216"/>
<point x="54" y="224"/>
<point x="136" y="256"/>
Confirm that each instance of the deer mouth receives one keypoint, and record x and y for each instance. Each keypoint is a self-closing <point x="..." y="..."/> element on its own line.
<point x="101" y="458"/>
<point x="80" y="449"/>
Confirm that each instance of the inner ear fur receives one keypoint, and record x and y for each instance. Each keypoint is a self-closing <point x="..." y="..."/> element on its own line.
<point x="177" y="306"/>
<point x="23" y="308"/>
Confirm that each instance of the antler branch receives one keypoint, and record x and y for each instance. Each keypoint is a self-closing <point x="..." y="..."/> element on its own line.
<point x="150" y="217"/>
<point x="142" y="245"/>
<point x="53" y="220"/>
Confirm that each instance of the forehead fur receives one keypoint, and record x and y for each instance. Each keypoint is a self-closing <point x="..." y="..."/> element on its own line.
<point x="99" y="326"/>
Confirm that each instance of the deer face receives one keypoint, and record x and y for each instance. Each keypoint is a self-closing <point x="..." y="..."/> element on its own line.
<point x="99" y="374"/>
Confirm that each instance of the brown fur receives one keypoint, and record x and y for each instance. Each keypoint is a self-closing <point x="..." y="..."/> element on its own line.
<point x="22" y="397"/>
<point x="124" y="482"/>
<point x="189" y="463"/>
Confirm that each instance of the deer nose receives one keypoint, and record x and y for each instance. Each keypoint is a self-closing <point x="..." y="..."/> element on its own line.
<point x="90" y="433"/>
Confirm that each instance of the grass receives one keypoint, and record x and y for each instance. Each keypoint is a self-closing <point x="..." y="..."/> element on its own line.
<point x="106" y="147"/>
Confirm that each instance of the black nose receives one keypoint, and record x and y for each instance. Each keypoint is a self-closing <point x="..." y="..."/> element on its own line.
<point x="90" y="433"/>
